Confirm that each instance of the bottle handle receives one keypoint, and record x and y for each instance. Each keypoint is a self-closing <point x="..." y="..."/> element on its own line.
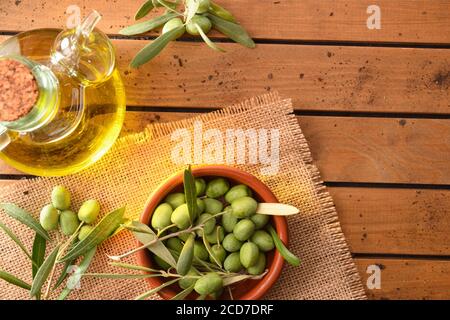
<point x="5" y="139"/>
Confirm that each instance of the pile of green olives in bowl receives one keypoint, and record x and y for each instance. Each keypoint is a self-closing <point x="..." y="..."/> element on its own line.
<point x="232" y="235"/>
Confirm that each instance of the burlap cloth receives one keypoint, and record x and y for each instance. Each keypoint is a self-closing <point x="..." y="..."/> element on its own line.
<point x="138" y="163"/>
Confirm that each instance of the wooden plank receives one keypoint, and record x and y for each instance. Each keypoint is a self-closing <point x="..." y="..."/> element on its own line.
<point x="414" y="21"/>
<point x="408" y="278"/>
<point x="359" y="149"/>
<point x="315" y="77"/>
<point x="320" y="78"/>
<point x="394" y="221"/>
<point x="380" y="149"/>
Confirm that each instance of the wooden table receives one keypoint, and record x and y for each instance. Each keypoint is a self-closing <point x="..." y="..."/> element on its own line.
<point x="373" y="104"/>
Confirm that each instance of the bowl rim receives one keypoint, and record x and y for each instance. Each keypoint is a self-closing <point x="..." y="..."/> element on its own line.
<point x="174" y="181"/>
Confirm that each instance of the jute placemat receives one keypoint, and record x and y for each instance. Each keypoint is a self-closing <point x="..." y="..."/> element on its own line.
<point x="138" y="163"/>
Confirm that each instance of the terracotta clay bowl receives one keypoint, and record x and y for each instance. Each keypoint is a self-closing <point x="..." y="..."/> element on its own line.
<point x="246" y="290"/>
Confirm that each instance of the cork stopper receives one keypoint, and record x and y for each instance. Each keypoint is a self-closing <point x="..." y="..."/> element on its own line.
<point x="18" y="90"/>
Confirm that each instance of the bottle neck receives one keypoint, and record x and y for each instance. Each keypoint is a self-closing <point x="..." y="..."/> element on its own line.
<point x="46" y="105"/>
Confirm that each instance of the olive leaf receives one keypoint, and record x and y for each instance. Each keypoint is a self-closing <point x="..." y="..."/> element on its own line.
<point x="16" y="240"/>
<point x="98" y="234"/>
<point x="148" y="25"/>
<point x="190" y="193"/>
<point x="64" y="273"/>
<point x="285" y="253"/>
<point x="158" y="248"/>
<point x="149" y="5"/>
<point x="191" y="10"/>
<point x="155" y="47"/>
<point x="184" y="263"/>
<point x="208" y="41"/>
<point x="155" y="290"/>
<point x="183" y="294"/>
<point x="144" y="10"/>
<point x="73" y="280"/>
<point x="234" y="279"/>
<point x="43" y="272"/>
<point x="139" y="228"/>
<point x="14" y="280"/>
<point x="221" y="12"/>
<point x="38" y="253"/>
<point x="65" y="269"/>
<point x="132" y="267"/>
<point x="121" y="276"/>
<point x="170" y="6"/>
<point x="24" y="217"/>
<point x="232" y="30"/>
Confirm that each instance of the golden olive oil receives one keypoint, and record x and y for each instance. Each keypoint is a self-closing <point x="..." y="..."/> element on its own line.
<point x="88" y="117"/>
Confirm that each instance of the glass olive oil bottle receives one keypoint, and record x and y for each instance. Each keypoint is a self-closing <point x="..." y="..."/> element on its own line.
<point x="81" y="105"/>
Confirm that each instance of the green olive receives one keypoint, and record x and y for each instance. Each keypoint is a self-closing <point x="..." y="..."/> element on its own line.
<point x="229" y="220"/>
<point x="200" y="251"/>
<point x="203" y="6"/>
<point x="209" y="224"/>
<point x="200" y="186"/>
<point x="217" y="234"/>
<point x="216" y="294"/>
<point x="233" y="262"/>
<point x="49" y="218"/>
<point x="244" y="229"/>
<point x="217" y="187"/>
<point x="203" y="22"/>
<point x="200" y="206"/>
<point x="180" y="217"/>
<point x="161" y="216"/>
<point x="218" y="252"/>
<point x="175" y="200"/>
<point x="237" y="192"/>
<point x="249" y="254"/>
<point x="260" y="220"/>
<point x="231" y="243"/>
<point x="175" y="244"/>
<point x="213" y="206"/>
<point x="69" y="222"/>
<point x="209" y="283"/>
<point x="187" y="281"/>
<point x="84" y="232"/>
<point x="263" y="240"/>
<point x="60" y="198"/>
<point x="259" y="267"/>
<point x="173" y="24"/>
<point x="244" y="207"/>
<point x="161" y="263"/>
<point x="89" y="211"/>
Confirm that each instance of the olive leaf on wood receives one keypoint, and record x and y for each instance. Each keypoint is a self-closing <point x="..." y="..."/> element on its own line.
<point x="155" y="47"/>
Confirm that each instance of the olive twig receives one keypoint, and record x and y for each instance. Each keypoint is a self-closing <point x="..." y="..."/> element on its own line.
<point x="160" y="232"/>
<point x="52" y="274"/>
<point x="168" y="7"/>
<point x="149" y="244"/>
<point x="69" y="242"/>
